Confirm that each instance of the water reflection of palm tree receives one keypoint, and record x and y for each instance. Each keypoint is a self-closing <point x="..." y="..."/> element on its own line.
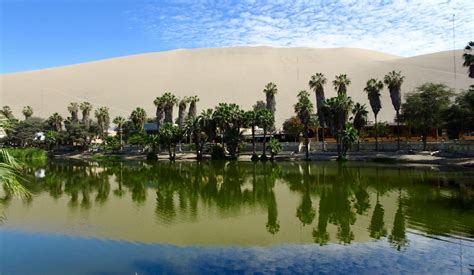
<point x="341" y="210"/>
<point x="377" y="226"/>
<point x="398" y="237"/>
<point x="305" y="211"/>
<point x="320" y="235"/>
<point x="361" y="195"/>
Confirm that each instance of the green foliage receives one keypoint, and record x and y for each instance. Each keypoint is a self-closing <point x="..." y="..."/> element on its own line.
<point x="293" y="126"/>
<point x="336" y="113"/>
<point x="340" y="84"/>
<point x="274" y="147"/>
<point x="24" y="132"/>
<point x="169" y="137"/>
<point x="304" y="111"/>
<point x="348" y="136"/>
<point x="259" y="105"/>
<point x="459" y="116"/>
<point x="138" y="117"/>
<point x="425" y="106"/>
<point x="10" y="175"/>
<point x="27" y="154"/>
<point x="468" y="57"/>
<point x="218" y="152"/>
<point x="27" y="112"/>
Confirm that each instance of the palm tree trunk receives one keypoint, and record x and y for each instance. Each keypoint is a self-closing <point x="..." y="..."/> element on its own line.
<point x="376" y="135"/>
<point x="306" y="141"/>
<point x="322" y="135"/>
<point x="264" y="141"/>
<point x="398" y="131"/>
<point x="253" y="140"/>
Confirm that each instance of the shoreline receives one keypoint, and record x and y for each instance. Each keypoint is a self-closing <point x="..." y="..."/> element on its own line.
<point x="374" y="157"/>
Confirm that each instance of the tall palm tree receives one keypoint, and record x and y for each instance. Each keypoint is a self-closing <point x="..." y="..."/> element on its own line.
<point x="394" y="81"/>
<point x="304" y="110"/>
<point x="372" y="89"/>
<point x="86" y="109"/>
<point x="183" y="104"/>
<point x="270" y="91"/>
<point x="170" y="100"/>
<point x="192" y="113"/>
<point x="27" y="112"/>
<point x="138" y="117"/>
<point x="7" y="112"/>
<point x="160" y="107"/>
<point x="317" y="83"/>
<point x="103" y="119"/>
<point x="469" y="58"/>
<point x="55" y="121"/>
<point x="120" y="121"/>
<point x="360" y="119"/>
<point x="266" y="120"/>
<point x="340" y="84"/>
<point x="73" y="108"/>
<point x="251" y="120"/>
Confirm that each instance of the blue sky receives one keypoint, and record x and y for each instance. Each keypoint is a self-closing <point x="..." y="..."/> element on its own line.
<point x="45" y="33"/>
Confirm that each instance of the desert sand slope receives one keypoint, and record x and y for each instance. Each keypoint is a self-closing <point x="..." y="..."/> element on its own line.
<point x="236" y="74"/>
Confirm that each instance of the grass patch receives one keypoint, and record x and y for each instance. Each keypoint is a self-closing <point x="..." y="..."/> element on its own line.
<point x="27" y="154"/>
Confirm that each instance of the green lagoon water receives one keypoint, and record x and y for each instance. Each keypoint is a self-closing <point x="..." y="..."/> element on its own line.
<point x="239" y="217"/>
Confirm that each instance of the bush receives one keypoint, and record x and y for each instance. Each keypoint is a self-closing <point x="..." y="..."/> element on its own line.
<point x="254" y="157"/>
<point x="218" y="152"/>
<point x="263" y="158"/>
<point x="151" y="156"/>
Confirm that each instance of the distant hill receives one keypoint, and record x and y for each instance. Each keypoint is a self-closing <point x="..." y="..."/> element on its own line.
<point x="235" y="74"/>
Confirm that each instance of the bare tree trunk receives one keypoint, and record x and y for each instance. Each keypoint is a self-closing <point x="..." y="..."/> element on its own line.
<point x="376" y="135"/>
<point x="324" y="145"/>
<point x="306" y="142"/>
<point x="253" y="140"/>
<point x="398" y="131"/>
<point x="264" y="141"/>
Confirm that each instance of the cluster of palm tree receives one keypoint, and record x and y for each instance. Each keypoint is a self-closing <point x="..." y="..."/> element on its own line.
<point x="334" y="112"/>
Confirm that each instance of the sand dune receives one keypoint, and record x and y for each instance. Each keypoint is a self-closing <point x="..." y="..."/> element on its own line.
<point x="236" y="74"/>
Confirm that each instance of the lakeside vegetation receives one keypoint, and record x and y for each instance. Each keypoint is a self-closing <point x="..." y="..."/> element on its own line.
<point x="219" y="132"/>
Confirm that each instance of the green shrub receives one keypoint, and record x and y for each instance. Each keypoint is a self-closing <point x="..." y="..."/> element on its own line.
<point x="218" y="152"/>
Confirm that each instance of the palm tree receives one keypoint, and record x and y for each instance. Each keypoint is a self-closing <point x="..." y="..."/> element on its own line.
<point x="372" y="89"/>
<point x="304" y="110"/>
<point x="192" y="113"/>
<point x="55" y="121"/>
<point x="317" y="83"/>
<point x="103" y="119"/>
<point x="270" y="92"/>
<point x="27" y="112"/>
<point x="260" y="104"/>
<point x="266" y="120"/>
<point x="360" y="119"/>
<point x="86" y="109"/>
<point x="7" y="112"/>
<point x="469" y="58"/>
<point x="182" y="111"/>
<point x="10" y="174"/>
<point x="251" y="120"/>
<point x="138" y="117"/>
<point x="160" y="106"/>
<point x="394" y="81"/>
<point x="120" y="121"/>
<point x="340" y="84"/>
<point x="73" y="108"/>
<point x="170" y="100"/>
<point x="336" y="113"/>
